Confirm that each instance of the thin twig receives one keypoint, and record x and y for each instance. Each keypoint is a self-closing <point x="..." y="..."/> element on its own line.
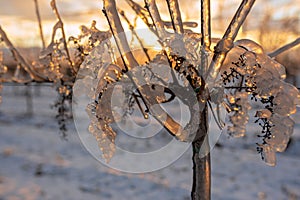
<point x="55" y="10"/>
<point x="214" y="116"/>
<point x="155" y="16"/>
<point x="284" y="48"/>
<point x="111" y="13"/>
<point x="40" y="22"/>
<point x="131" y="27"/>
<point x="145" y="114"/>
<point x="175" y="14"/>
<point x="139" y="10"/>
<point x="142" y="13"/>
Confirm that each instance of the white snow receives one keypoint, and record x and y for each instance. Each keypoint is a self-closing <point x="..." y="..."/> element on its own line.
<point x="36" y="164"/>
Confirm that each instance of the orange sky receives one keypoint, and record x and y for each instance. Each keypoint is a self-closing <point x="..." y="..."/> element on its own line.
<point x="18" y="19"/>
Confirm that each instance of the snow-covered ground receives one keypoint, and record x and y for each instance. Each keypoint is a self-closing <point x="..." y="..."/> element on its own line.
<point x="36" y="164"/>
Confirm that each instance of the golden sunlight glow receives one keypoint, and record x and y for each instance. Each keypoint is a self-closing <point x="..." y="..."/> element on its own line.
<point x="19" y="20"/>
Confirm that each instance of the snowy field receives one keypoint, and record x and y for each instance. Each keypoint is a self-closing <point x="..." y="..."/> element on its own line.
<point x="35" y="164"/>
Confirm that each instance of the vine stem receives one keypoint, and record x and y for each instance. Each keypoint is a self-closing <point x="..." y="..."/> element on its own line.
<point x="174" y="10"/>
<point x="40" y="22"/>
<point x="205" y="24"/>
<point x="55" y="10"/>
<point x="201" y="189"/>
<point x="20" y="59"/>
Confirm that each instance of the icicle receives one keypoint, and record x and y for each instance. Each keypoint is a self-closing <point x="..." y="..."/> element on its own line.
<point x="268" y="155"/>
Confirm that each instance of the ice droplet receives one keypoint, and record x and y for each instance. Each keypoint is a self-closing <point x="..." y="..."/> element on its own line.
<point x="268" y="155"/>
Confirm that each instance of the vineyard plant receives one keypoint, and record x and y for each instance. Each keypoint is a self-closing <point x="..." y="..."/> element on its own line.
<point x="175" y="73"/>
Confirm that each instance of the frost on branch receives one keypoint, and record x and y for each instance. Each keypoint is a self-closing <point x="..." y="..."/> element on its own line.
<point x="249" y="74"/>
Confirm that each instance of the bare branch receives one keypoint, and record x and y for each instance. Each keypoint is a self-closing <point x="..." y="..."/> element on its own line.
<point x="284" y="48"/>
<point x="40" y="22"/>
<point x="206" y="34"/>
<point x="19" y="58"/>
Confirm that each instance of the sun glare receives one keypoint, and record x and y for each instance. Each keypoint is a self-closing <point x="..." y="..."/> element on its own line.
<point x="20" y="21"/>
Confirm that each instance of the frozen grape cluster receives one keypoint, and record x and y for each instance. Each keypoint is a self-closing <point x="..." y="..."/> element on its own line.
<point x="250" y="74"/>
<point x="239" y="107"/>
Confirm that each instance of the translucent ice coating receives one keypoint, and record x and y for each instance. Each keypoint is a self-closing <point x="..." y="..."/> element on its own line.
<point x="262" y="58"/>
<point x="175" y="15"/>
<point x="206" y="26"/>
<point x="239" y="116"/>
<point x="110" y="11"/>
<point x="281" y="131"/>
<point x="157" y="21"/>
<point x="226" y="43"/>
<point x="248" y="68"/>
<point x="130" y="80"/>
